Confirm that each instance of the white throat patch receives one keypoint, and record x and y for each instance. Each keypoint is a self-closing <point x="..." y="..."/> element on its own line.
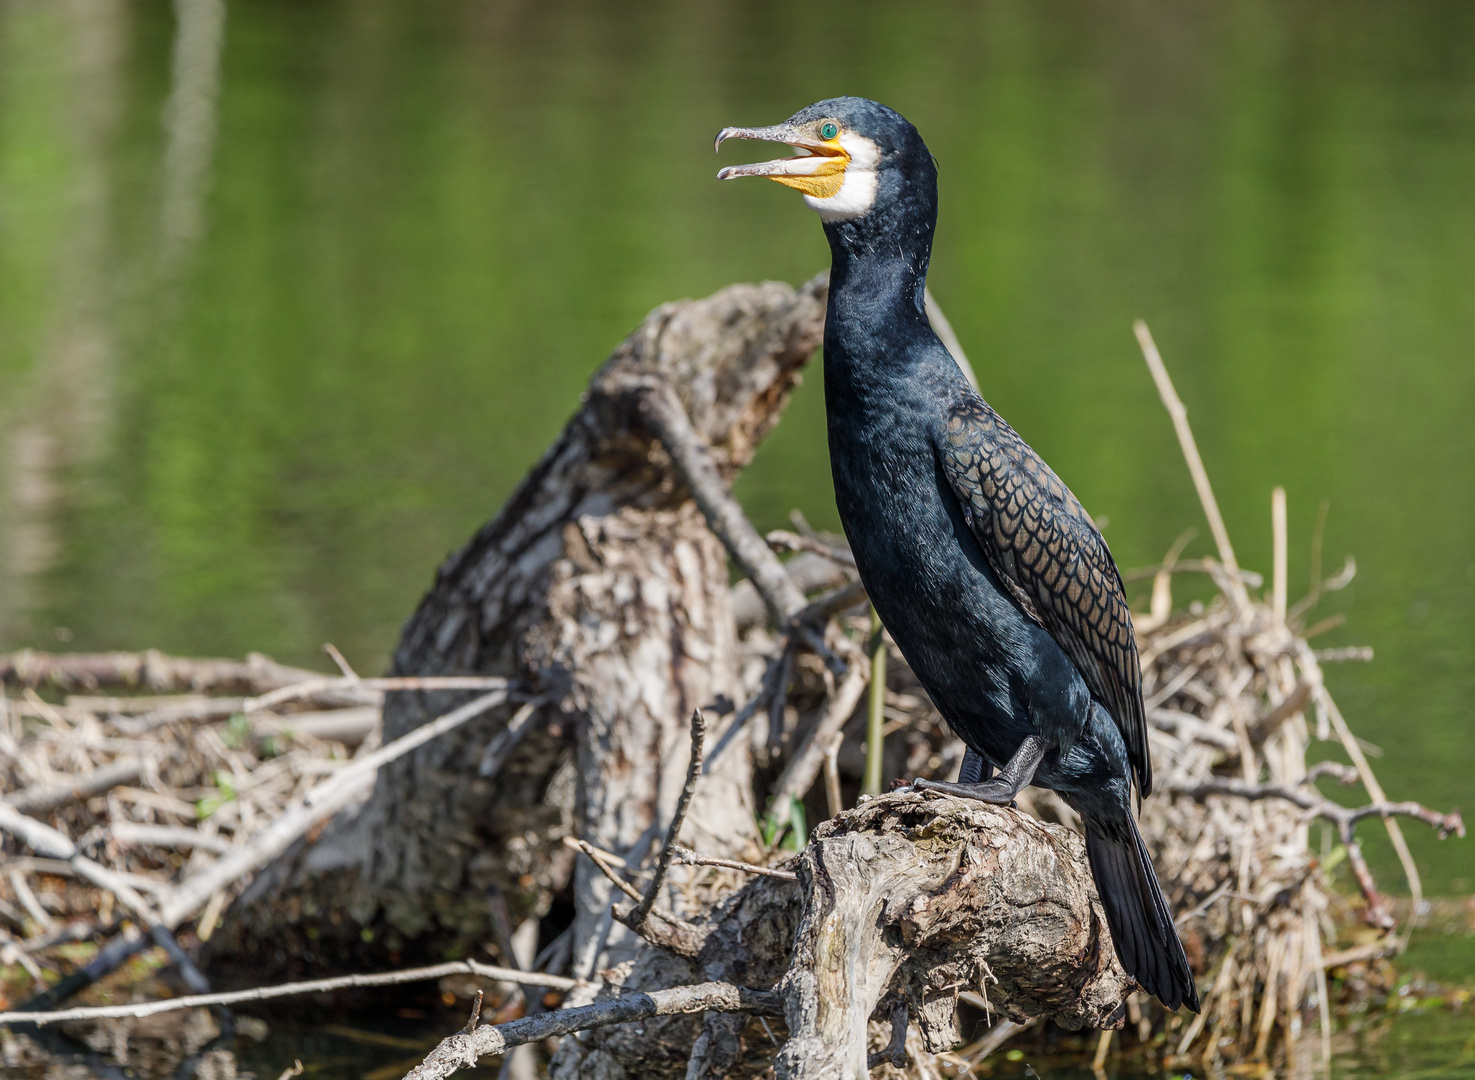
<point x="858" y="192"/>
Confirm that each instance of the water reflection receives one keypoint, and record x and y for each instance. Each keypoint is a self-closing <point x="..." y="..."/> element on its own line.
<point x="397" y="238"/>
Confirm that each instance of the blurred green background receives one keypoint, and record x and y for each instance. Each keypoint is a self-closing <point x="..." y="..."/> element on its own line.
<point x="291" y="294"/>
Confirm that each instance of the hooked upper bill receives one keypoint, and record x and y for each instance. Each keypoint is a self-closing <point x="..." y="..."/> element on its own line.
<point x="834" y="166"/>
<point x="817" y="168"/>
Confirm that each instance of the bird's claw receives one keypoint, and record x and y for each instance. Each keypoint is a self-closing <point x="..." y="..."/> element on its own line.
<point x="988" y="791"/>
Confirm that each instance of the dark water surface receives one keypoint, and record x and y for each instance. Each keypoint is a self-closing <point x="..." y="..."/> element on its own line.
<point x="292" y="294"/>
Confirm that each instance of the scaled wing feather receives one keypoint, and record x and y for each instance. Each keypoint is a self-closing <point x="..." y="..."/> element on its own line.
<point x="1053" y="560"/>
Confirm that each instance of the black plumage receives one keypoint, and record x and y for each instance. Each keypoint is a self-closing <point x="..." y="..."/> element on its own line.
<point x="990" y="575"/>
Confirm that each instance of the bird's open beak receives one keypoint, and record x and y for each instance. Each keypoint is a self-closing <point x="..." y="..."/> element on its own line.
<point x="817" y="169"/>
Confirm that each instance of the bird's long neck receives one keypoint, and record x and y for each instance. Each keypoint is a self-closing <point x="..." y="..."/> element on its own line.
<point x="876" y="330"/>
<point x="878" y="270"/>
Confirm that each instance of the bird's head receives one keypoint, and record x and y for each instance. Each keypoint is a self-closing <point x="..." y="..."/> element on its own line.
<point x="851" y="157"/>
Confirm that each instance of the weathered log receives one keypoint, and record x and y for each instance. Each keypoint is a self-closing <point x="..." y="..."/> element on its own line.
<point x="910" y="896"/>
<point x="599" y="588"/>
<point x="930" y="896"/>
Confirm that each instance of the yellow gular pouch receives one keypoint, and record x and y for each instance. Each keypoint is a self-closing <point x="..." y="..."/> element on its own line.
<point x="824" y="180"/>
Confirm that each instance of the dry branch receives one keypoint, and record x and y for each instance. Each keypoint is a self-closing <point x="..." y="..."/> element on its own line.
<point x="44" y="799"/>
<point x="1179" y="413"/>
<point x="314" y="986"/>
<point x="637" y="916"/>
<point x="342" y="690"/>
<point x="662" y="411"/>
<point x="693" y="858"/>
<point x="150" y="670"/>
<point x="1343" y="817"/>
<point x="463" y="1049"/>
<point x="667" y="931"/>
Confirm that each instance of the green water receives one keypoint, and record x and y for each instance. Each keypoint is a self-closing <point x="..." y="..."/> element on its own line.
<point x="282" y="321"/>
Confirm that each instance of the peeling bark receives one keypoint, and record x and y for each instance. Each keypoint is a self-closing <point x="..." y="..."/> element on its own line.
<point x="921" y="896"/>
<point x="933" y="895"/>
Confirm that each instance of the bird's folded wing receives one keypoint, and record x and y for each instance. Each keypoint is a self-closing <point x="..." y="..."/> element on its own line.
<point x="1050" y="555"/>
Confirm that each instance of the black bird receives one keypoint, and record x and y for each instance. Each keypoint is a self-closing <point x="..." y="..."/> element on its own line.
<point x="990" y="575"/>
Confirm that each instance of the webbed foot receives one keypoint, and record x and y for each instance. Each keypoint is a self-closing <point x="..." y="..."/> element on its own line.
<point x="995" y="792"/>
<point x="1013" y="778"/>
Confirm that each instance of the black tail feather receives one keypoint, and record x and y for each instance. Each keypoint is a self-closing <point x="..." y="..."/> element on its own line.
<point x="1141" y="924"/>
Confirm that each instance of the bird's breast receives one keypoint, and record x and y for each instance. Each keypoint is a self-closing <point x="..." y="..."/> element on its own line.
<point x="986" y="665"/>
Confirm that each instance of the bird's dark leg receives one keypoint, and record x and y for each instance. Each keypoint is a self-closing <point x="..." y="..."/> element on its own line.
<point x="1014" y="777"/>
<point x="975" y="767"/>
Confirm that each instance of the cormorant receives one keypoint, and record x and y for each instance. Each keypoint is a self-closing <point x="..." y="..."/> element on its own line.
<point x="991" y="577"/>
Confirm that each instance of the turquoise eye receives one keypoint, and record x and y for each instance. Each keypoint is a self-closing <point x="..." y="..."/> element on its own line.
<point x="828" y="131"/>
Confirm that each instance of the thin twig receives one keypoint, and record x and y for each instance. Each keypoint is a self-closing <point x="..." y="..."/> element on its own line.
<point x="692" y="858"/>
<point x="668" y="930"/>
<point x="314" y="986"/>
<point x="171" y="836"/>
<point x="997" y="1036"/>
<point x="833" y="799"/>
<point x="783" y="540"/>
<point x="664" y="414"/>
<point x="152" y="670"/>
<point x="1103" y="1046"/>
<point x="425" y="683"/>
<point x="876" y="713"/>
<point x="833" y="603"/>
<point x="1179" y="415"/>
<point x="462" y="1050"/>
<point x="1375" y="790"/>
<point x="776" y="675"/>
<point x="776" y="670"/>
<point x="371" y="763"/>
<point x="27" y="897"/>
<point x="338" y="689"/>
<point x="339" y="659"/>
<point x="663" y="864"/>
<point x="779" y="700"/>
<point x="1208" y="902"/>
<point x="799" y="776"/>
<point x="1445" y="824"/>
<point x="475" y="1014"/>
<point x="1385" y="946"/>
<point x="601" y="860"/>
<point x="696" y="1062"/>
<point x="501" y="745"/>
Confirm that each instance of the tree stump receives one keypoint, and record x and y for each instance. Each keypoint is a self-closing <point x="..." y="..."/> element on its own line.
<point x="910" y="896"/>
<point x="600" y="589"/>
